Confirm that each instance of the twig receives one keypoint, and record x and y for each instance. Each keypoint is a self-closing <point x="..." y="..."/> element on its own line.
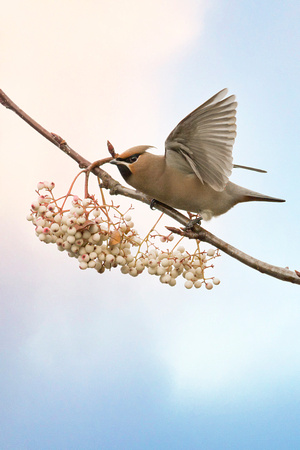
<point x="116" y="188"/>
<point x="274" y="271"/>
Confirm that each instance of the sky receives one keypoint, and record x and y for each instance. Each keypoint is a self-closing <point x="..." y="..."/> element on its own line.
<point x="91" y="361"/>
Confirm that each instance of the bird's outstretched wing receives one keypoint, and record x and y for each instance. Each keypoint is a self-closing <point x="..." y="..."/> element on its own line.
<point x="202" y="142"/>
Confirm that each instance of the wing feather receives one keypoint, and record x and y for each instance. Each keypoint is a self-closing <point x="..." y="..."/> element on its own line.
<point x="202" y="142"/>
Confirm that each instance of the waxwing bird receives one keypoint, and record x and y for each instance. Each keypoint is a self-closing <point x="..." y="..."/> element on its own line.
<point x="193" y="175"/>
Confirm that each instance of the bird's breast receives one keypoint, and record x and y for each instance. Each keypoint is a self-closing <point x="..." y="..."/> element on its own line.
<point x="179" y="190"/>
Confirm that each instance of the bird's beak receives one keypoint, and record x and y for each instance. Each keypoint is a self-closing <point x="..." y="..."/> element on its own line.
<point x="114" y="161"/>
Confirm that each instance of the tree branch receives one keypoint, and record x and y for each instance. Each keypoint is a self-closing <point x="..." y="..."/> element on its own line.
<point x="116" y="188"/>
<point x="274" y="271"/>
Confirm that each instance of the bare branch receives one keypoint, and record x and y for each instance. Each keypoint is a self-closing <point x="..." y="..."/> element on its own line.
<point x="274" y="271"/>
<point x="116" y="188"/>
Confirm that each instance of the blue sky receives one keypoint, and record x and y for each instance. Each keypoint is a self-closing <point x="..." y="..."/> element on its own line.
<point x="114" y="362"/>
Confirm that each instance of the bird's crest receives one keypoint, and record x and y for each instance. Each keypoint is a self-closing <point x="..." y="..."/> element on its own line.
<point x="139" y="149"/>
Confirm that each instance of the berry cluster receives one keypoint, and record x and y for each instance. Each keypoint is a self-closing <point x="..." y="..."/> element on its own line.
<point x="101" y="237"/>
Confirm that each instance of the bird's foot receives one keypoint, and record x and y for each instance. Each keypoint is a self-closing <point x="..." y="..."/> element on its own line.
<point x="192" y="222"/>
<point x="154" y="203"/>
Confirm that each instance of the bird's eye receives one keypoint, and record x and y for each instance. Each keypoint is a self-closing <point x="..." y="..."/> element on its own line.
<point x="133" y="159"/>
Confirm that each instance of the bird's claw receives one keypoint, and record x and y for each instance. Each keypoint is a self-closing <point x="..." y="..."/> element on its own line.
<point x="192" y="222"/>
<point x="152" y="204"/>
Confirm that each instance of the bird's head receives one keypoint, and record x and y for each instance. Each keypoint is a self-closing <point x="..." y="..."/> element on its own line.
<point x="131" y="160"/>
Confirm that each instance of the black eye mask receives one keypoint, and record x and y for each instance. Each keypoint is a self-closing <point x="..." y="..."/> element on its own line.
<point x="131" y="159"/>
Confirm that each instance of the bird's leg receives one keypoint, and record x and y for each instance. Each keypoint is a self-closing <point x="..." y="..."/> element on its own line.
<point x="193" y="221"/>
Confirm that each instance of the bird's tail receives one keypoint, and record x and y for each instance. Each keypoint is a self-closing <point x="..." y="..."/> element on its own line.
<point x="246" y="195"/>
<point x="252" y="196"/>
<point x="262" y="198"/>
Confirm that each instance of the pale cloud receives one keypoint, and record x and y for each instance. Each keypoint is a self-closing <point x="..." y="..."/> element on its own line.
<point x="89" y="72"/>
<point x="93" y="47"/>
<point x="233" y="352"/>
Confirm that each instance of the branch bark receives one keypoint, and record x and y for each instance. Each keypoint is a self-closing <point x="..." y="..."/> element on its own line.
<point x="116" y="188"/>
